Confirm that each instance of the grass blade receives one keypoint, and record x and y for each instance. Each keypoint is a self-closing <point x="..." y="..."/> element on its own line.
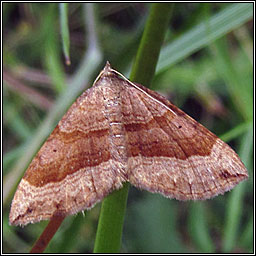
<point x="113" y="207"/>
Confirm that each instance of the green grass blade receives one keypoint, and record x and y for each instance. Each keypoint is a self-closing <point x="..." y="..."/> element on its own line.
<point x="65" y="31"/>
<point x="218" y="25"/>
<point x="235" y="200"/>
<point x="11" y="155"/>
<point x="145" y="63"/>
<point x="51" y="53"/>
<point x="113" y="207"/>
<point x="239" y="86"/>
<point x="199" y="230"/>
<point x="247" y="237"/>
<point x="236" y="131"/>
<point x="110" y="226"/>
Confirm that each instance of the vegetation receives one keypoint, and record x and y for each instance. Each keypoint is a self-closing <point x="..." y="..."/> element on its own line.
<point x="205" y="68"/>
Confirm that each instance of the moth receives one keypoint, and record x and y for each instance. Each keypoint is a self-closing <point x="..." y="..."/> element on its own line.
<point x="119" y="131"/>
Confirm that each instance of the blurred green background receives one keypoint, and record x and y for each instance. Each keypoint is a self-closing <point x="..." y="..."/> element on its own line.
<point x="205" y="68"/>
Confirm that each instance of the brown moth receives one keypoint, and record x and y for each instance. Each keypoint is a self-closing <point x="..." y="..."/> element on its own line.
<point x="120" y="131"/>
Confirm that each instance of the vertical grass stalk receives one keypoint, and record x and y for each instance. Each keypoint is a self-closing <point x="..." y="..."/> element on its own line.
<point x="110" y="226"/>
